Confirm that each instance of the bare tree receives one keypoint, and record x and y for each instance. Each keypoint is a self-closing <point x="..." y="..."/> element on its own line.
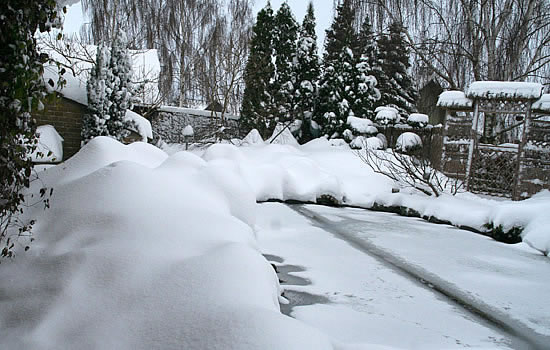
<point x="464" y="40"/>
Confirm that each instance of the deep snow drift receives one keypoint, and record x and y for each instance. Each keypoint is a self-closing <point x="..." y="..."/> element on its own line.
<point x="142" y="251"/>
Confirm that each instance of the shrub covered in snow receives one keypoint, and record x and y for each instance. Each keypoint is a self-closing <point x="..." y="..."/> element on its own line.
<point x="50" y="145"/>
<point x="418" y="120"/>
<point x="386" y="115"/>
<point x="408" y="142"/>
<point x="361" y="126"/>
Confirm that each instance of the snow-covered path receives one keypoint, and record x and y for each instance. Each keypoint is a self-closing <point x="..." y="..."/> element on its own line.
<point x="351" y="268"/>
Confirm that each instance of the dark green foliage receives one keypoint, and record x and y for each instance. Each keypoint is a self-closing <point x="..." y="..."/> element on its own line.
<point x="257" y="110"/>
<point x="394" y="82"/>
<point x="284" y="44"/>
<point x="21" y="92"/>
<point x="307" y="73"/>
<point x="336" y="93"/>
<point x="365" y="82"/>
<point x="511" y="236"/>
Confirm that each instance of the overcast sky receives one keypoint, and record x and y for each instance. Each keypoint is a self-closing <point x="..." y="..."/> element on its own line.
<point x="323" y="14"/>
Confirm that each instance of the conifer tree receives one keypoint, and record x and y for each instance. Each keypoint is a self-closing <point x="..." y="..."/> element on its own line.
<point x="307" y="73"/>
<point x="394" y="82"/>
<point x="257" y="109"/>
<point x="336" y="93"/>
<point x="366" y="68"/>
<point x="119" y="82"/>
<point x="110" y="92"/>
<point x="284" y="44"/>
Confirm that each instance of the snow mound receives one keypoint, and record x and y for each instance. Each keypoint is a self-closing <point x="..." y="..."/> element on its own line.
<point x="361" y="125"/>
<point x="282" y="136"/>
<point x="454" y="99"/>
<point x="146" y="252"/>
<point x="504" y="90"/>
<point x="253" y="138"/>
<point x="408" y="141"/>
<point x="50" y="144"/>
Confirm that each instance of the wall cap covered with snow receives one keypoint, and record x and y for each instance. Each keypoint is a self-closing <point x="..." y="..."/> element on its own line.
<point x="511" y="90"/>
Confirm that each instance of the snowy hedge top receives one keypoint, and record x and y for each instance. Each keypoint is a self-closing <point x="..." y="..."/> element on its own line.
<point x="193" y="111"/>
<point x="386" y="114"/>
<point x="542" y="104"/>
<point x="361" y="125"/>
<point x="418" y="118"/>
<point x="454" y="99"/>
<point x="505" y="90"/>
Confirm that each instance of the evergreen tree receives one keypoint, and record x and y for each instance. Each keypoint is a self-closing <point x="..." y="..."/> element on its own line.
<point x="366" y="68"/>
<point x="394" y="82"/>
<point x="94" y="123"/>
<point x="284" y="44"/>
<point x="257" y="110"/>
<point x="307" y="73"/>
<point x="336" y="93"/>
<point x="119" y="83"/>
<point x="109" y="92"/>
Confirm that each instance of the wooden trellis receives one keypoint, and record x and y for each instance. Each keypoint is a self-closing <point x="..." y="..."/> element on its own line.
<point x="516" y="168"/>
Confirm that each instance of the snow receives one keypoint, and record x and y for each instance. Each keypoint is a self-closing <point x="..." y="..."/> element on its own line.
<point x="145" y="250"/>
<point x="367" y="302"/>
<point x="188" y="131"/>
<point x="542" y="104"/>
<point x="504" y="90"/>
<point x="361" y="142"/>
<point x="143" y="125"/>
<point x="199" y="112"/>
<point x="282" y="136"/>
<point x="252" y="138"/>
<point x="407" y="141"/>
<point x="157" y="253"/>
<point x="418" y="118"/>
<point x="454" y="99"/>
<point x="49" y="140"/>
<point x="361" y="125"/>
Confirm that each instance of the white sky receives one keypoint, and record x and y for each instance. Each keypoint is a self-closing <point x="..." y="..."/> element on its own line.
<point x="323" y="14"/>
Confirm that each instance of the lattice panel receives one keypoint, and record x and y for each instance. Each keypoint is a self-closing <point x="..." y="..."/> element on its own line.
<point x="503" y="106"/>
<point x="493" y="172"/>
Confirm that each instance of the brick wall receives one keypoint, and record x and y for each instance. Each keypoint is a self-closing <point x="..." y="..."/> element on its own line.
<point x="66" y="117"/>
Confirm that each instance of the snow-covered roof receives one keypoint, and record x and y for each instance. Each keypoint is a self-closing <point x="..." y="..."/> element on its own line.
<point x="193" y="111"/>
<point x="454" y="99"/>
<point x="512" y="90"/>
<point x="542" y="104"/>
<point x="145" y="68"/>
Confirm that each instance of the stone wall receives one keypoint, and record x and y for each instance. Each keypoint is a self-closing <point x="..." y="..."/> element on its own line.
<point x="168" y="127"/>
<point x="66" y="117"/>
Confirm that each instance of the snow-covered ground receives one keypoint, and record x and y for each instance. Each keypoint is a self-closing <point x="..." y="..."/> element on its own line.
<point x="370" y="301"/>
<point x="141" y="249"/>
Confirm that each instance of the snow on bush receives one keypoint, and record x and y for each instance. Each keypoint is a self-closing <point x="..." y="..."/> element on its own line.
<point x="361" y="142"/>
<point x="386" y="115"/>
<point x="142" y="125"/>
<point x="418" y="120"/>
<point x="142" y="251"/>
<point x="408" y="141"/>
<point x="50" y="145"/>
<point x="361" y="125"/>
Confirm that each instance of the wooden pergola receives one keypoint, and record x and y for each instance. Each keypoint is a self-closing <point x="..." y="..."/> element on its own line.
<point x="497" y="138"/>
